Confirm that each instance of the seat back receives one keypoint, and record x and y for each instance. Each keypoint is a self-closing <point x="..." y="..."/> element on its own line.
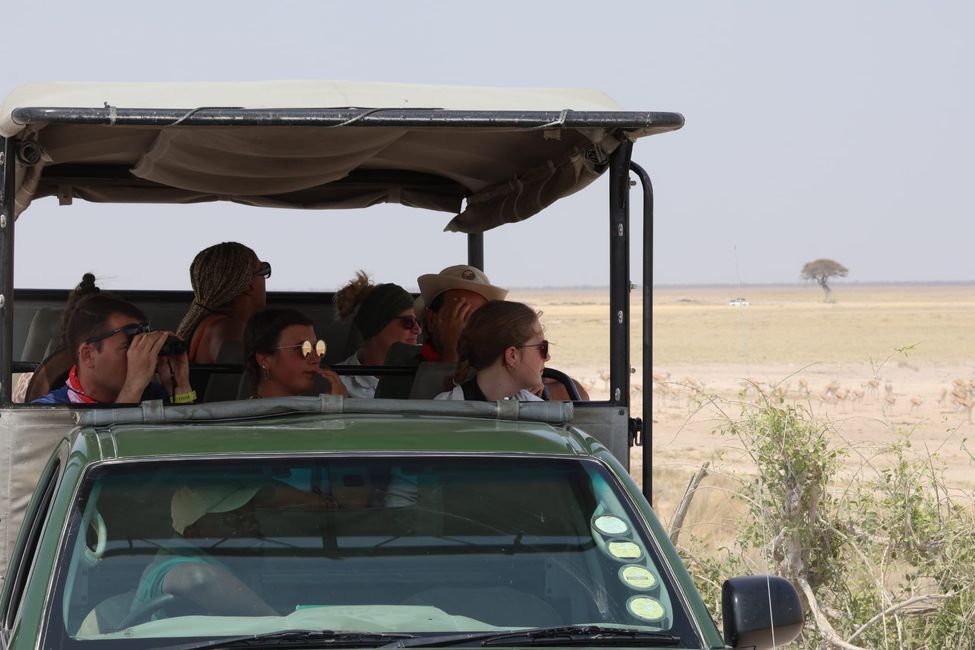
<point x="51" y="373"/>
<point x="106" y="615"/>
<point x="431" y="379"/>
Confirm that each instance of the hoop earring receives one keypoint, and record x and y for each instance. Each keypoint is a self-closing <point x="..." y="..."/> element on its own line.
<point x="267" y="373"/>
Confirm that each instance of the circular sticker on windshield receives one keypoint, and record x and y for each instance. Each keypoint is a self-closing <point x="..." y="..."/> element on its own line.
<point x="624" y="550"/>
<point x="610" y="525"/>
<point x="638" y="577"/>
<point x="649" y="609"/>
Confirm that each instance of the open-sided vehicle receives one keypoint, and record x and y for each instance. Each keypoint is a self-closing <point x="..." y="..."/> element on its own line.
<point x="410" y="522"/>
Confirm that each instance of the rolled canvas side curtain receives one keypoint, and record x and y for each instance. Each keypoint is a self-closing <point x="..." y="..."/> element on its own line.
<point x="531" y="192"/>
<point x="236" y="162"/>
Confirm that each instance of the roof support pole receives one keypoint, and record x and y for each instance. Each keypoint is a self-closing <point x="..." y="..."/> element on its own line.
<point x="8" y="165"/>
<point x="619" y="275"/>
<point x="647" y="433"/>
<point x="475" y="250"/>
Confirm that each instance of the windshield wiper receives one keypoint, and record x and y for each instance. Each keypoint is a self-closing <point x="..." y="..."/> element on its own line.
<point x="566" y="635"/>
<point x="301" y="639"/>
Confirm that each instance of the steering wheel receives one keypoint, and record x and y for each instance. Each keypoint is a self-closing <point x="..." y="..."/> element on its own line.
<point x="565" y="380"/>
<point x="143" y="613"/>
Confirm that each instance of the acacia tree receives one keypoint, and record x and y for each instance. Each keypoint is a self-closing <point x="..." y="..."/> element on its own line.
<point x="821" y="271"/>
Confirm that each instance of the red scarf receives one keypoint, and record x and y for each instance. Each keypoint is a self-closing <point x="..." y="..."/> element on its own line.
<point x="76" y="393"/>
<point x="430" y="353"/>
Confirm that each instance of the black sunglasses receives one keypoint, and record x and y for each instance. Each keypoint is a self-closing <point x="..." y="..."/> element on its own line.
<point x="131" y="330"/>
<point x="542" y="348"/>
<point x="264" y="269"/>
<point x="408" y="322"/>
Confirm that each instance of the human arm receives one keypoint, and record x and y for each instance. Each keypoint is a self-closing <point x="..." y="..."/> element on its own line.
<point x="336" y="385"/>
<point x="142" y="357"/>
<point x="215" y="589"/>
<point x="174" y="372"/>
<point x="452" y="318"/>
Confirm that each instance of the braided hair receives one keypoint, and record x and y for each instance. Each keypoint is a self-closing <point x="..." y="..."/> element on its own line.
<point x="218" y="274"/>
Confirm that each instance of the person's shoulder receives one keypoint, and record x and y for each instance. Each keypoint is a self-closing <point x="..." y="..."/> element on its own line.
<point x="528" y="396"/>
<point x="456" y="393"/>
<point x="56" y="396"/>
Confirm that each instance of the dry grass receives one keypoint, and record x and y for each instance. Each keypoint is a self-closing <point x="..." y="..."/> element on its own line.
<point x="788" y="338"/>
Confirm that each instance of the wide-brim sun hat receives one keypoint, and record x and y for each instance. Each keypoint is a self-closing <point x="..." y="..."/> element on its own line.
<point x="460" y="276"/>
<point x="191" y="502"/>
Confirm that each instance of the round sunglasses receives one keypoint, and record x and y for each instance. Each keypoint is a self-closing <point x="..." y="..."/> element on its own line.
<point x="306" y="347"/>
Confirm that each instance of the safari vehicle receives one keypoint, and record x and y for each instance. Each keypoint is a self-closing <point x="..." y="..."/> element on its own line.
<point x="410" y="522"/>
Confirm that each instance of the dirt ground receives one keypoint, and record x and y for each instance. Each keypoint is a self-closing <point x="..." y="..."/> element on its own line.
<point x="880" y="362"/>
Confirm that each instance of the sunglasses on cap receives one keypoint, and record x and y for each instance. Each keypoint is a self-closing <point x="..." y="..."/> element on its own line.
<point x="306" y="347"/>
<point x="264" y="269"/>
<point x="131" y="330"/>
<point x="542" y="347"/>
<point x="407" y="322"/>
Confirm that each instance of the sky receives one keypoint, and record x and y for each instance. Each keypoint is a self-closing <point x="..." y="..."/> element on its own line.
<point x="828" y="129"/>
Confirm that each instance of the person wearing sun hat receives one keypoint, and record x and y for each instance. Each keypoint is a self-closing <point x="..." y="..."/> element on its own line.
<point x="207" y="509"/>
<point x="447" y="300"/>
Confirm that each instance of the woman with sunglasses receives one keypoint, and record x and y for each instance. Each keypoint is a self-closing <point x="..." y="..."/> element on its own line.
<point x="383" y="314"/>
<point x="228" y="288"/>
<point x="282" y="356"/>
<point x="504" y="343"/>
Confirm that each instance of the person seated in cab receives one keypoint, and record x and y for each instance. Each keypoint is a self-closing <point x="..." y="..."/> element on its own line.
<point x="282" y="356"/>
<point x="117" y="356"/>
<point x="447" y="301"/>
<point x="449" y="298"/>
<point x="504" y="342"/>
<point x="207" y="510"/>
<point x="383" y="314"/>
<point x="228" y="288"/>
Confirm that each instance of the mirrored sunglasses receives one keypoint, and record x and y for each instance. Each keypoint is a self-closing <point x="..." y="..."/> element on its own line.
<point x="264" y="269"/>
<point x="542" y="348"/>
<point x="306" y="347"/>
<point x="131" y="330"/>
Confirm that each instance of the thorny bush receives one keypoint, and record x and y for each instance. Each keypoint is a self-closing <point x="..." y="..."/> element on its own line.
<point x="888" y="555"/>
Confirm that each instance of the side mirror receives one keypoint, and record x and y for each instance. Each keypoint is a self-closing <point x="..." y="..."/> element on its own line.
<point x="760" y="612"/>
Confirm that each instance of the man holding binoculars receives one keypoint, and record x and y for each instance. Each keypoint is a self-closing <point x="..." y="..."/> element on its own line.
<point x="117" y="356"/>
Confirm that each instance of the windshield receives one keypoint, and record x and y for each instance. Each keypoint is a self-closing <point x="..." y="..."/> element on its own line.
<point x="423" y="545"/>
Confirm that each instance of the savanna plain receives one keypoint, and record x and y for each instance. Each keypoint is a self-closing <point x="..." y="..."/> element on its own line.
<point x="878" y="364"/>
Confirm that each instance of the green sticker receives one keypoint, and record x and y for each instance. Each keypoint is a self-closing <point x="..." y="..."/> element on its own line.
<point x="610" y="525"/>
<point x="638" y="577"/>
<point x="624" y="550"/>
<point x="649" y="609"/>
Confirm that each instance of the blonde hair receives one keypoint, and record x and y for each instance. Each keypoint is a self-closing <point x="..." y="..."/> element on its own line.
<point x="353" y="294"/>
<point x="218" y="274"/>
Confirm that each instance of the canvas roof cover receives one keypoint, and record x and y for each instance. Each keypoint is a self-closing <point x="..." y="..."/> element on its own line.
<point x="319" y="144"/>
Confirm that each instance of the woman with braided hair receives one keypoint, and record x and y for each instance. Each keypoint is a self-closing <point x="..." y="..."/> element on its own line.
<point x="383" y="314"/>
<point x="228" y="288"/>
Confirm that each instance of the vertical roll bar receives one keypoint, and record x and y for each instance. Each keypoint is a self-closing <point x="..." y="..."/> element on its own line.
<point x="7" y="196"/>
<point x="647" y="432"/>
<point x="475" y="249"/>
<point x="619" y="274"/>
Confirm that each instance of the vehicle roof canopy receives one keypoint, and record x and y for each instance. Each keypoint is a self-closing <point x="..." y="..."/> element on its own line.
<point x="318" y="144"/>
